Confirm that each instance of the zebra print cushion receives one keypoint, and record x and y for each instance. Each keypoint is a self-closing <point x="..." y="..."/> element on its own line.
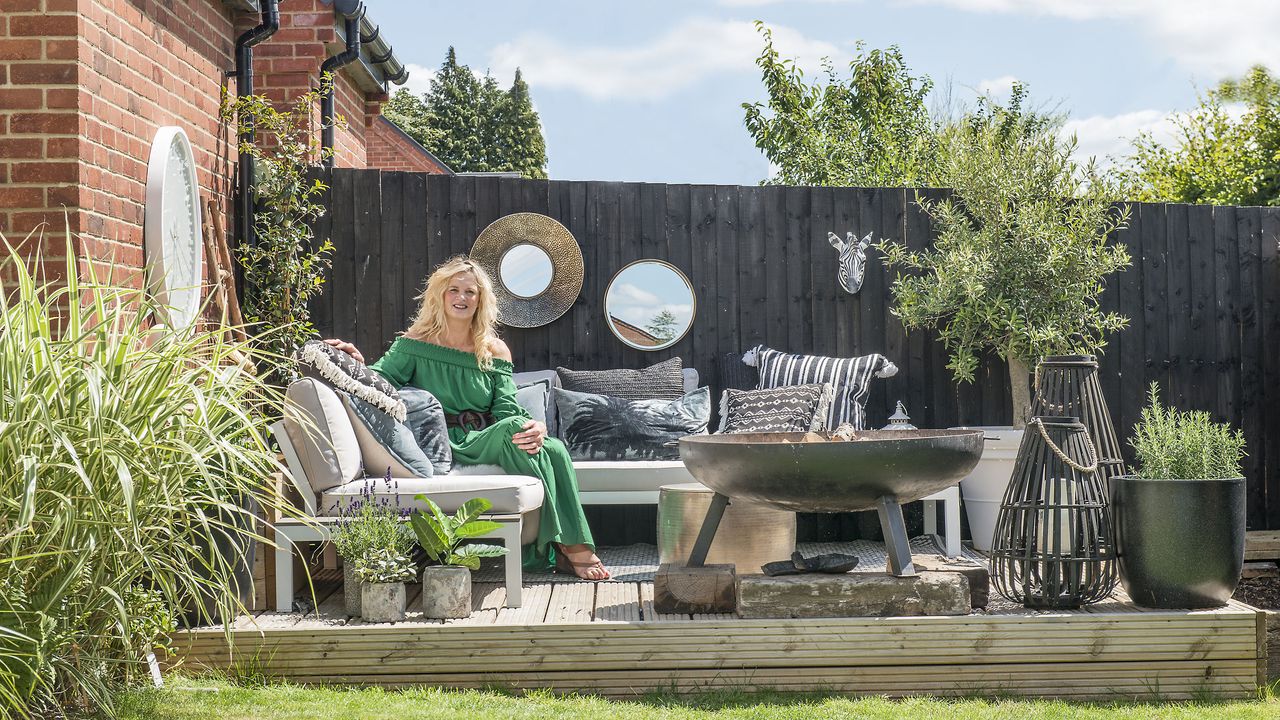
<point x="851" y="377"/>
<point x="795" y="408"/>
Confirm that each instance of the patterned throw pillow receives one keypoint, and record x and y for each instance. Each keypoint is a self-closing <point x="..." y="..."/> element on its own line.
<point x="851" y="377"/>
<point x="331" y="366"/>
<point x="794" y="408"/>
<point x="599" y="427"/>
<point x="663" y="381"/>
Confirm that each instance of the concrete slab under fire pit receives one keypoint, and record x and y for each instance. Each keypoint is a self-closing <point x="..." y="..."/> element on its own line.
<point x="859" y="594"/>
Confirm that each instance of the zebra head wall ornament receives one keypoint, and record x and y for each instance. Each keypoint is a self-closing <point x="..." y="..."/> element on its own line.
<point x="853" y="259"/>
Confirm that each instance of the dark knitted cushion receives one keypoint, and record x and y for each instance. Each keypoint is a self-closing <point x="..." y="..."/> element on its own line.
<point x="599" y="427"/>
<point x="316" y="359"/>
<point x="851" y="377"/>
<point x="795" y="408"/>
<point x="736" y="374"/>
<point x="662" y="381"/>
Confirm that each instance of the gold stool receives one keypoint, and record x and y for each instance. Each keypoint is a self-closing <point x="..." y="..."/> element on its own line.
<point x="749" y="536"/>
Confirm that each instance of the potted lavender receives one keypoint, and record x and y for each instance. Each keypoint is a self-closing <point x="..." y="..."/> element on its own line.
<point x="367" y="527"/>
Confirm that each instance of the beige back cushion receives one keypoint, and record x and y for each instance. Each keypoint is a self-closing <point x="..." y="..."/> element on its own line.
<point x="320" y="431"/>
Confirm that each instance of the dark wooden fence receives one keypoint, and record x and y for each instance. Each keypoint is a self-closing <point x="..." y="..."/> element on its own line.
<point x="1202" y="296"/>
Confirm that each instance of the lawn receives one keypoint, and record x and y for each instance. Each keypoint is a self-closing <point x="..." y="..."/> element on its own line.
<point x="191" y="699"/>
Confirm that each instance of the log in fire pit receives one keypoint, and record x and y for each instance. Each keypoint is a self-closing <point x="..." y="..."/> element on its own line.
<point x="817" y="472"/>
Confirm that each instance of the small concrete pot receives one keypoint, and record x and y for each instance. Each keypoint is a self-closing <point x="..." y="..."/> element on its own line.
<point x="350" y="589"/>
<point x="382" y="602"/>
<point x="446" y="592"/>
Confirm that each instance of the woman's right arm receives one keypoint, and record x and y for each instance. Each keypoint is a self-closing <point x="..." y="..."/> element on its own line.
<point x="395" y="366"/>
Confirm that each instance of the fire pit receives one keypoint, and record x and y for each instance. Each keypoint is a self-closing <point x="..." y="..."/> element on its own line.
<point x="816" y="472"/>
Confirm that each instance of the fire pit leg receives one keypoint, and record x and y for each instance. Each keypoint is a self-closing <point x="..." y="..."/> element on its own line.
<point x="895" y="537"/>
<point x="710" y="523"/>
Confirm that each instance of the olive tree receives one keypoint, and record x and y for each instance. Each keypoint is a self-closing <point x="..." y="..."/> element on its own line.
<point x="1021" y="252"/>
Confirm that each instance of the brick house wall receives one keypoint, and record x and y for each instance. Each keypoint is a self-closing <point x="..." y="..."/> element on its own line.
<point x="85" y="84"/>
<point x="389" y="148"/>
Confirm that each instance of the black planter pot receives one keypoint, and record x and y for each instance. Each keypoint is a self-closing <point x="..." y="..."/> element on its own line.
<point x="1180" y="542"/>
<point x="234" y="548"/>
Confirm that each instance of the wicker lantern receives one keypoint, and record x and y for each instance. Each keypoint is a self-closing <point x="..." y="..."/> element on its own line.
<point x="1052" y="548"/>
<point x="1068" y="386"/>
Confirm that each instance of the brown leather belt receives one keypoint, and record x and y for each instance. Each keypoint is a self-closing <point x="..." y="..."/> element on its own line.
<point x="469" y="420"/>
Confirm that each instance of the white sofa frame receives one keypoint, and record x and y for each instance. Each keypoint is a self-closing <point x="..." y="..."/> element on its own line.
<point x="290" y="532"/>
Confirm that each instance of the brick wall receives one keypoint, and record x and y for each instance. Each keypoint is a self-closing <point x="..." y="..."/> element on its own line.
<point x="288" y="64"/>
<point x="85" y="84"/>
<point x="389" y="149"/>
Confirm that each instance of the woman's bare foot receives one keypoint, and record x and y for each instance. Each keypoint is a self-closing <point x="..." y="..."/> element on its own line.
<point x="580" y="560"/>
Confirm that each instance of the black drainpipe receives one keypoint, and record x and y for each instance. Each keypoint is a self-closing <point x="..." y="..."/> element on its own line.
<point x="244" y="86"/>
<point x="346" y="57"/>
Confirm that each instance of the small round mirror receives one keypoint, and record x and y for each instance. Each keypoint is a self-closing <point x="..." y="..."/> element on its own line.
<point x="525" y="270"/>
<point x="649" y="305"/>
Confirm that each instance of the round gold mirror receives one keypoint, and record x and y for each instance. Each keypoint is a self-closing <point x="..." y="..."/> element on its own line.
<point x="536" y="266"/>
<point x="649" y="305"/>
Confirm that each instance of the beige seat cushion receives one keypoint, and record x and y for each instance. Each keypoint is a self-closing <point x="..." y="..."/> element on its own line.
<point x="320" y="431"/>
<point x="510" y="494"/>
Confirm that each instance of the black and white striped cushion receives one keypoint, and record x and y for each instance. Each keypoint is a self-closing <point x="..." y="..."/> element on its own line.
<point x="851" y="377"/>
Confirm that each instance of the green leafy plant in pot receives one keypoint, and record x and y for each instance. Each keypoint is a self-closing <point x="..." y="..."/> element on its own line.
<point x="446" y="587"/>
<point x="1179" y="515"/>
<point x="1020" y="258"/>
<point x="382" y="573"/>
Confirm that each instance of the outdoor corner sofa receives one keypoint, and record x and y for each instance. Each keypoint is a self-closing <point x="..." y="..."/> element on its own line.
<point x="333" y="465"/>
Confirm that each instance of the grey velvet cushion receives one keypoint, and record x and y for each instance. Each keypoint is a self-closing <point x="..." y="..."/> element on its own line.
<point x="533" y="398"/>
<point x="663" y="381"/>
<point x="320" y="431"/>
<point x="792" y="408"/>
<point x="600" y="427"/>
<point x="417" y="447"/>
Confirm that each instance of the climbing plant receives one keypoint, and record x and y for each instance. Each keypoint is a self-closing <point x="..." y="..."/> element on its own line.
<point x="284" y="267"/>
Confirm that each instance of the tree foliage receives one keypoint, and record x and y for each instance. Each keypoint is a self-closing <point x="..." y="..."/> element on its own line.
<point x="473" y="125"/>
<point x="285" y="267"/>
<point x="1021" y="251"/>
<point x="1215" y="158"/>
<point x="872" y="129"/>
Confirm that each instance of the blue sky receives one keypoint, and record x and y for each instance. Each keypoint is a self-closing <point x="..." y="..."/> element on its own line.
<point x="652" y="91"/>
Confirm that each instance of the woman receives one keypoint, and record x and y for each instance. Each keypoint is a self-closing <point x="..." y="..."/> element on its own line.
<point x="452" y="350"/>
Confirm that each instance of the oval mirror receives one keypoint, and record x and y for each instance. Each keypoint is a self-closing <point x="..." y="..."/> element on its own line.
<point x="525" y="270"/>
<point x="649" y="305"/>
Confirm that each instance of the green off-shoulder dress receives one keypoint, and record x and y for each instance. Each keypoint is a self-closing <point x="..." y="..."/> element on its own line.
<point x="455" y="378"/>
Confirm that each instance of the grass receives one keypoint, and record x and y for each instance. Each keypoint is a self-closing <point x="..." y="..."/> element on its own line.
<point x="197" y="699"/>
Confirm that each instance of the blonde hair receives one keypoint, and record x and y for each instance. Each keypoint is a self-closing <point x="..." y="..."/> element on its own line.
<point x="430" y="321"/>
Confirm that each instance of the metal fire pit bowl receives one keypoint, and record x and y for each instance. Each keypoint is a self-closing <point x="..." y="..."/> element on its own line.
<point x="814" y="472"/>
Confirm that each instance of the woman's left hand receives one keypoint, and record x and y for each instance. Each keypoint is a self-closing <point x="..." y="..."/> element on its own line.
<point x="530" y="437"/>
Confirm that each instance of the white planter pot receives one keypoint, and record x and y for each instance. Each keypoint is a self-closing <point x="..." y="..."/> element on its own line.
<point x="446" y="592"/>
<point x="983" y="489"/>
<point x="382" y="602"/>
<point x="350" y="589"/>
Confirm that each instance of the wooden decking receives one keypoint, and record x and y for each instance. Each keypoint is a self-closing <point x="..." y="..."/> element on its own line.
<point x="606" y="639"/>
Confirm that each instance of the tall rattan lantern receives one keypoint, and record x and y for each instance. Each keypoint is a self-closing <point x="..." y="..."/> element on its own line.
<point x="1068" y="386"/>
<point x="1052" y="548"/>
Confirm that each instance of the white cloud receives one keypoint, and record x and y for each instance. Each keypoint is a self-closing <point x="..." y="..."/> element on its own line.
<point x="697" y="49"/>
<point x="419" y="81"/>
<point x="1214" y="38"/>
<point x="997" y="87"/>
<point x="1107" y="137"/>
<point x="629" y="294"/>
